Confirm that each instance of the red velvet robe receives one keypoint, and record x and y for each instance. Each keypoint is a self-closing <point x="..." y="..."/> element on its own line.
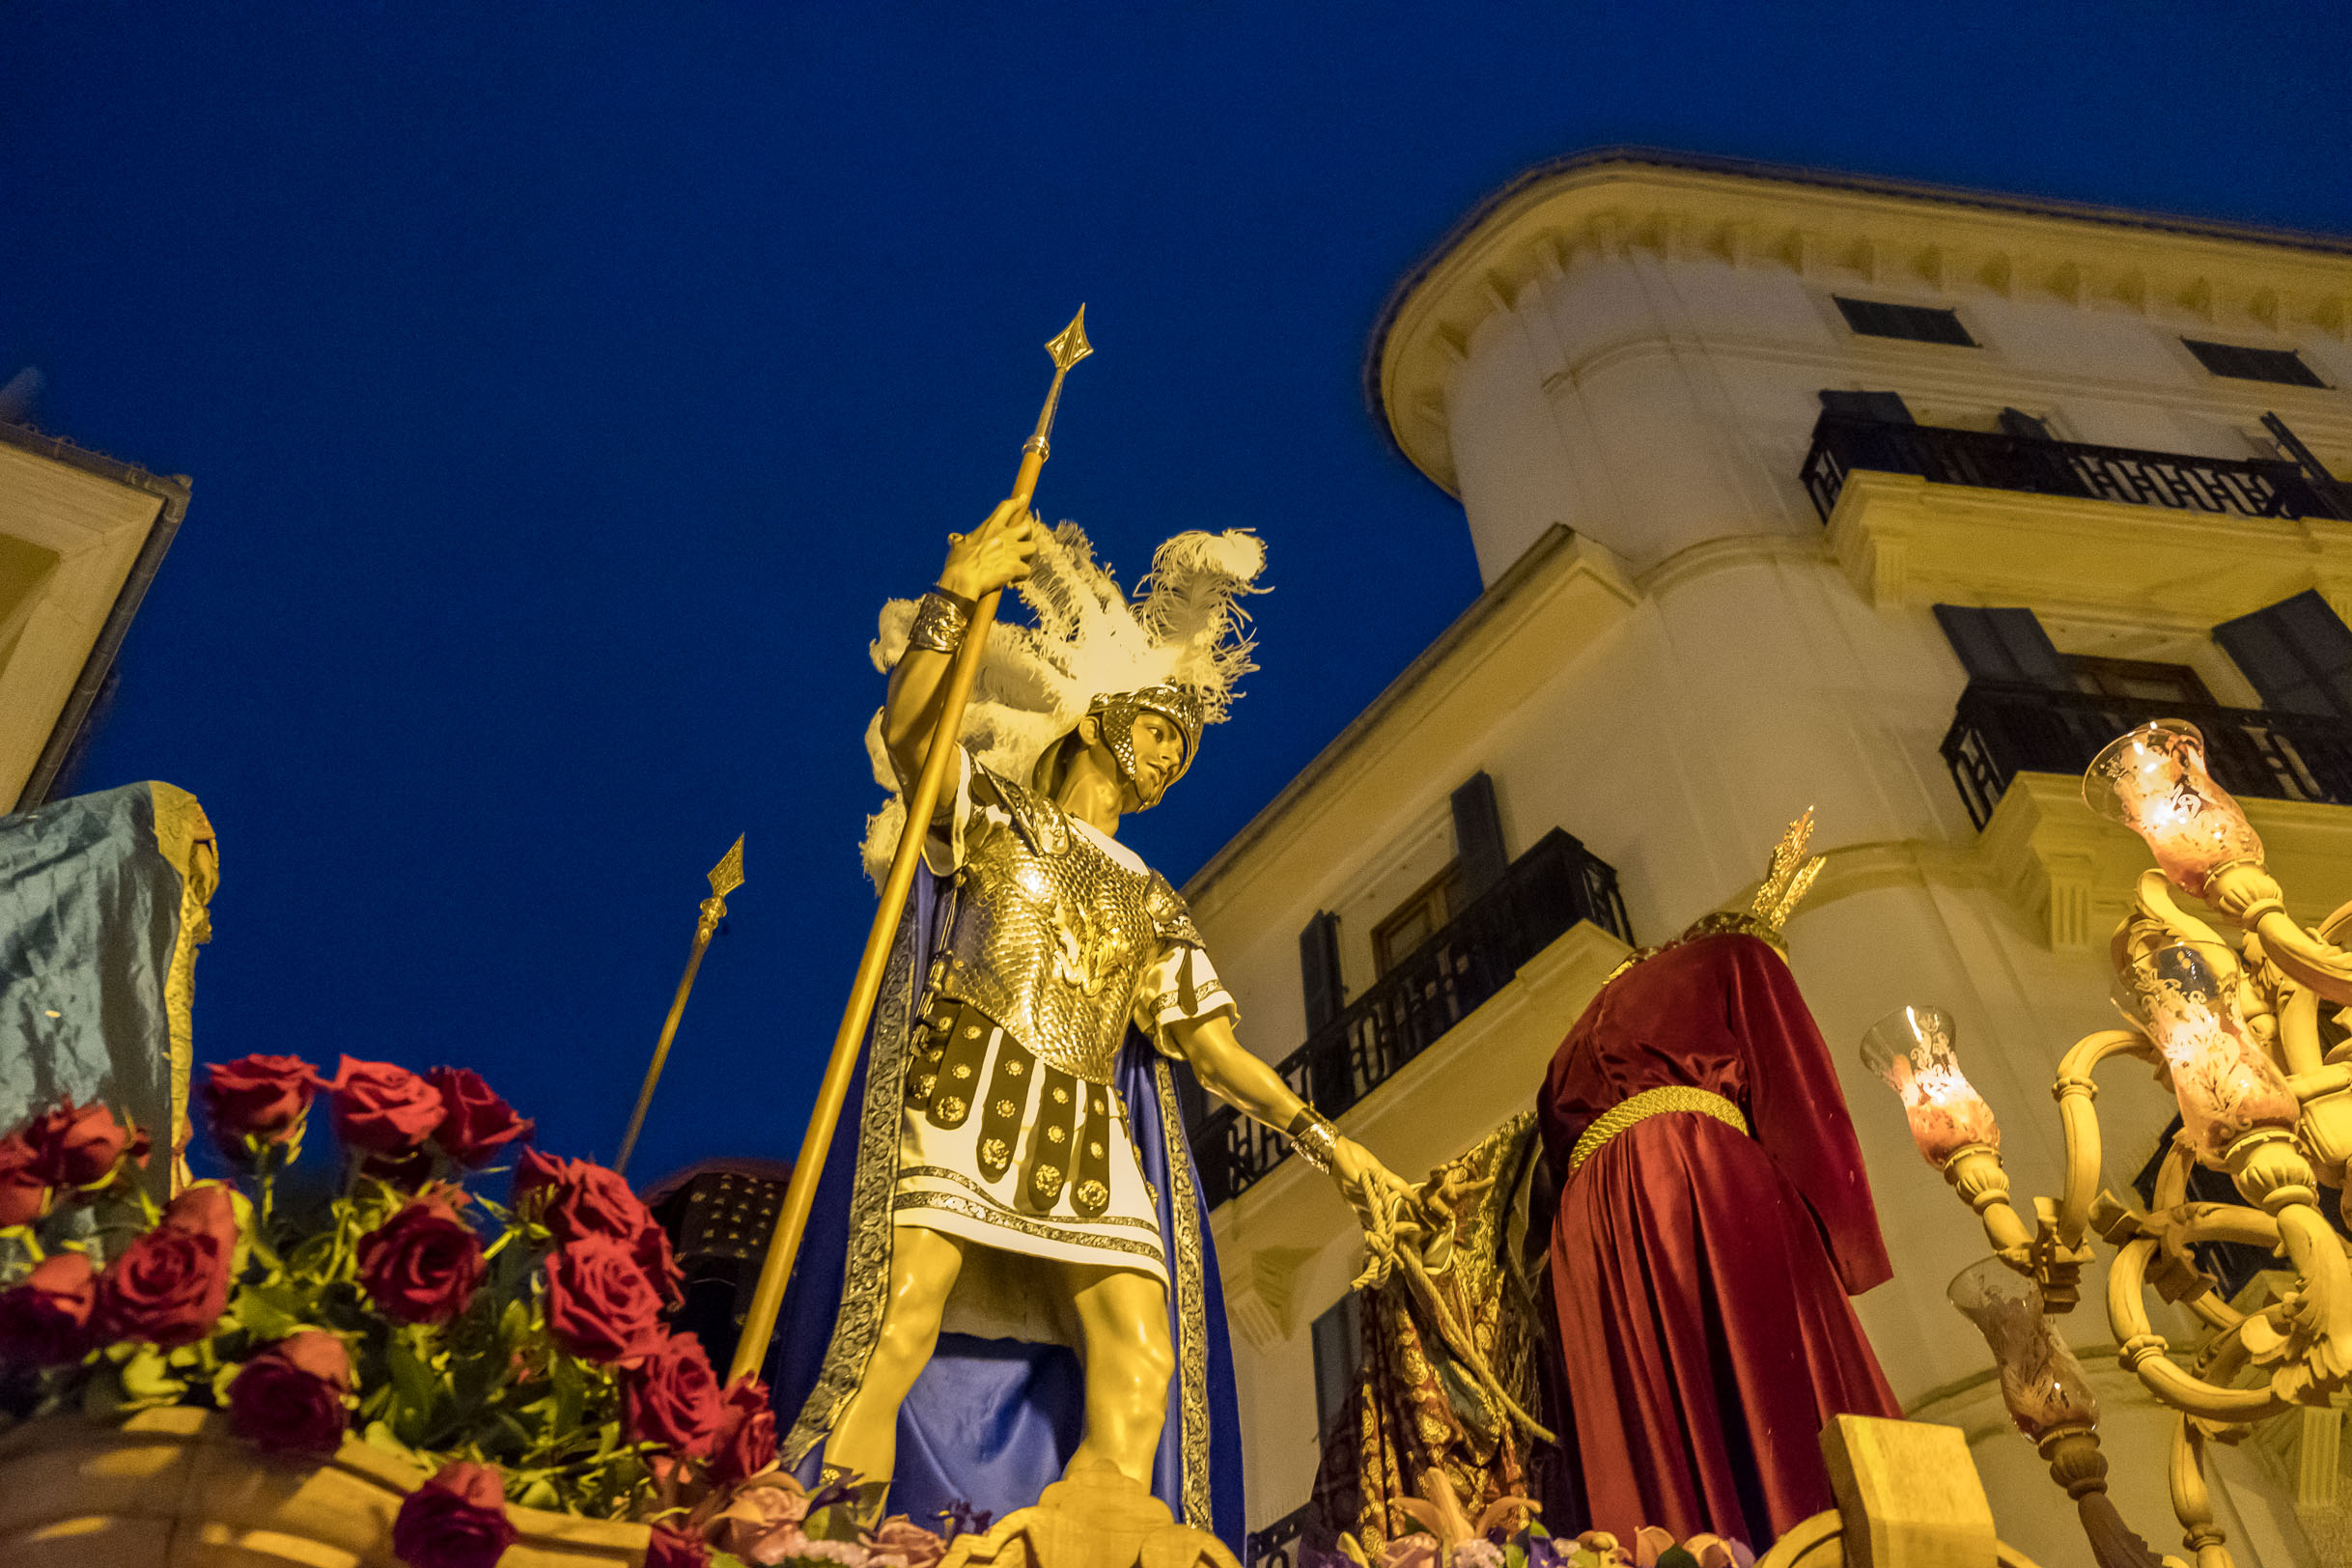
<point x="1700" y="1275"/>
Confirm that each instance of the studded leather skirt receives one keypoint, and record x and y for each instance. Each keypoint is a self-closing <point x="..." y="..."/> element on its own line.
<point x="1000" y="1148"/>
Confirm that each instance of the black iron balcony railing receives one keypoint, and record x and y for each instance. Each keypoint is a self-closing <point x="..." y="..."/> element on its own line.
<point x="2002" y="730"/>
<point x="1472" y="957"/>
<point x="2249" y="487"/>
<point x="1277" y="1545"/>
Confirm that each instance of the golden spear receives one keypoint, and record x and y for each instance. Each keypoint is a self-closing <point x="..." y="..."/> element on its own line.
<point x="725" y="877"/>
<point x="760" y="1318"/>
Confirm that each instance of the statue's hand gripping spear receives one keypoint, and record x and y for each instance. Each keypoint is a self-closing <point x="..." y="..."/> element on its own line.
<point x="759" y="1321"/>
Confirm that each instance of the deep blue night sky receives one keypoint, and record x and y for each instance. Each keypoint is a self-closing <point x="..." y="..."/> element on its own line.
<point x="565" y="386"/>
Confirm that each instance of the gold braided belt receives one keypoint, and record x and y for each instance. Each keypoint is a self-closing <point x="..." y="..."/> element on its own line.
<point x="1650" y="1103"/>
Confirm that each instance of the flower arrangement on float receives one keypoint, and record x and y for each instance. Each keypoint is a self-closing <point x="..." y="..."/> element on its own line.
<point x="1532" y="1548"/>
<point x="1449" y="1538"/>
<point x="513" y="1352"/>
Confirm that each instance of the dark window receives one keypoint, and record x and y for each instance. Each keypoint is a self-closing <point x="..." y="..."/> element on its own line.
<point x="2138" y="679"/>
<point x="1884" y="408"/>
<point x="2297" y="653"/>
<point x="2003" y="644"/>
<point x="1418" y="919"/>
<point x="1319" y="970"/>
<point x="1339" y="1356"/>
<point x="1478" y="836"/>
<point x="1917" y="323"/>
<point x="2241" y="364"/>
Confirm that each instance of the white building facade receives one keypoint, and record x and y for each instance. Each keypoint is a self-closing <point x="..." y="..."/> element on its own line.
<point x="1707" y="606"/>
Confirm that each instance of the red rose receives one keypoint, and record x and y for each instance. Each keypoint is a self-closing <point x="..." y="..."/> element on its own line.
<point x="747" y="1440"/>
<point x="44" y="1321"/>
<point x="380" y="1108"/>
<point x="258" y="1097"/>
<point x="24" y="1181"/>
<point x="291" y="1398"/>
<point x="169" y="1287"/>
<point x="476" y="1124"/>
<point x="421" y="1266"/>
<point x="575" y="1199"/>
<point x="675" y="1549"/>
<point x="79" y="1147"/>
<point x="601" y="1307"/>
<point x="457" y="1520"/>
<point x="206" y="1209"/>
<point x="672" y="1397"/>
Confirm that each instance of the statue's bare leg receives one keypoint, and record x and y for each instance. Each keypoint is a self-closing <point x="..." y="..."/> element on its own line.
<point x="923" y="1269"/>
<point x="1125" y="1318"/>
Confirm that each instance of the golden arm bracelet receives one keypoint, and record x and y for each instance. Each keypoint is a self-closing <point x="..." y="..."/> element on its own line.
<point x="939" y="622"/>
<point x="1313" y="1135"/>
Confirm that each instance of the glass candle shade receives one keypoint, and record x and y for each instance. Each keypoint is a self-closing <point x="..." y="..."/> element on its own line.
<point x="2040" y="1380"/>
<point x="2154" y="782"/>
<point x="1912" y="1048"/>
<point x="2225" y="1082"/>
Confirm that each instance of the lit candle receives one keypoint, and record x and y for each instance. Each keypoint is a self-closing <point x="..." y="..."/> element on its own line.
<point x="2154" y="782"/>
<point x="2225" y="1082"/>
<point x="2040" y="1380"/>
<point x="1912" y="1048"/>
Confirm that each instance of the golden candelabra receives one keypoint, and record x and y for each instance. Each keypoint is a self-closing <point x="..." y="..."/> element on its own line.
<point x="2235" y="1029"/>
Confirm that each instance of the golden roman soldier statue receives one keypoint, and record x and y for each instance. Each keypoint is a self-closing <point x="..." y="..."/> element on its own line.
<point x="1019" y="1189"/>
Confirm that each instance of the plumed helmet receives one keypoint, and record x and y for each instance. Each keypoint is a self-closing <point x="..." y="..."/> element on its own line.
<point x="1177" y="648"/>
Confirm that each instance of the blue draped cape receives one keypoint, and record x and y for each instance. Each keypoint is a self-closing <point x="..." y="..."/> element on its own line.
<point x="990" y="1423"/>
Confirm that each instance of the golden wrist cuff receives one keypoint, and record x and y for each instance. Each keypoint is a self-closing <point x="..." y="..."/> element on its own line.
<point x="1313" y="1135"/>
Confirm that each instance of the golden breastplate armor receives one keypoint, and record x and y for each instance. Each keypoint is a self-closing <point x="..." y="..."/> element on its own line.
<point x="1051" y="937"/>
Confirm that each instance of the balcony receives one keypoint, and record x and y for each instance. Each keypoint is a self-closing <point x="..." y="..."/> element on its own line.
<point x="2247" y="487"/>
<point x="2017" y="754"/>
<point x="1545" y="891"/>
<point x="2000" y="730"/>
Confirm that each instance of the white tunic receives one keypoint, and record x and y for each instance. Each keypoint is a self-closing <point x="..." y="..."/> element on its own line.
<point x="941" y="1185"/>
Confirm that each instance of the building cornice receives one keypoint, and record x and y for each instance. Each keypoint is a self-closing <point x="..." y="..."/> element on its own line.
<point x="1871" y="232"/>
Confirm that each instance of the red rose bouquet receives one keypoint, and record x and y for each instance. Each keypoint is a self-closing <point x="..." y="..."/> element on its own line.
<point x="514" y="1352"/>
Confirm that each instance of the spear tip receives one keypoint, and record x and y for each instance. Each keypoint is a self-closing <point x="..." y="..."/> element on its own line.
<point x="1071" y="346"/>
<point x="728" y="875"/>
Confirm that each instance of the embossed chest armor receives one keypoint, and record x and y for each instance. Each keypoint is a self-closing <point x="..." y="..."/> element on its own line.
<point x="1050" y="935"/>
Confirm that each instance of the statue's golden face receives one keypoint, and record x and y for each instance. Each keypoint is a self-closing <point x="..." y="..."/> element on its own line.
<point x="1158" y="752"/>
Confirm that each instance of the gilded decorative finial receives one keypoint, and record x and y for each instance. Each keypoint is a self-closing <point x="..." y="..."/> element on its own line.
<point x="728" y="875"/>
<point x="1788" y="876"/>
<point x="1067" y="349"/>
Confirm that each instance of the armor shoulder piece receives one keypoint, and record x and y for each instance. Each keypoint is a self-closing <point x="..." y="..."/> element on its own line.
<point x="1171" y="916"/>
<point x="1038" y="820"/>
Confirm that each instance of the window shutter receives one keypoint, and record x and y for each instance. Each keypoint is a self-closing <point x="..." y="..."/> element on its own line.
<point x="1478" y="838"/>
<point x="2003" y="644"/>
<point x="2242" y="364"/>
<point x="1886" y="408"/>
<point x="1319" y="970"/>
<point x="2297" y="653"/>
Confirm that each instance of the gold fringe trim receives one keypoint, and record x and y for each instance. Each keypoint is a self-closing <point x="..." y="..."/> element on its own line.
<point x="185" y="838"/>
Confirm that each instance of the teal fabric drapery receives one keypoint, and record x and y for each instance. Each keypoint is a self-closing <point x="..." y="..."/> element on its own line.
<point x="101" y="905"/>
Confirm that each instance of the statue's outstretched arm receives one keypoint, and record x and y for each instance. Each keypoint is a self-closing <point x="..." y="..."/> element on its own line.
<point x="1243" y="1082"/>
<point x="994" y="555"/>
